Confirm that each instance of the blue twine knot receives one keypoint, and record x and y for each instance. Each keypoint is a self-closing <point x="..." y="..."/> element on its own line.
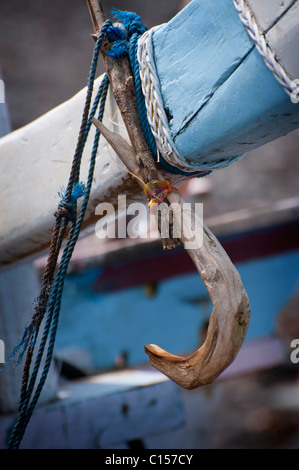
<point x="118" y="50"/>
<point x="130" y="20"/>
<point x="67" y="209"/>
<point x="29" y="337"/>
<point x="78" y="191"/>
<point x="120" y="35"/>
<point x="116" y="33"/>
<point x="49" y="301"/>
<point x="126" y="44"/>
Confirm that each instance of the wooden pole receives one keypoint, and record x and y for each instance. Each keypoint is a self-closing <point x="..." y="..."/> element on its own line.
<point x="122" y="83"/>
<point x="230" y="317"/>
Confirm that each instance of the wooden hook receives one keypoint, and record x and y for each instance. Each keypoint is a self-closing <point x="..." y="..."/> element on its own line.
<point x="230" y="317"/>
<point x="231" y="311"/>
<point x="228" y="322"/>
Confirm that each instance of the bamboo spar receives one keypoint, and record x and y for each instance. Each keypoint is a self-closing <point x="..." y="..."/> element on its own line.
<point x="237" y="81"/>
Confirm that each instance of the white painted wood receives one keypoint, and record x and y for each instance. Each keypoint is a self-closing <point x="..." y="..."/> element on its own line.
<point x="284" y="40"/>
<point x="266" y="12"/>
<point x="279" y="19"/>
<point x="103" y="411"/>
<point x="107" y="410"/>
<point x="18" y="288"/>
<point x="234" y="103"/>
<point x="35" y="163"/>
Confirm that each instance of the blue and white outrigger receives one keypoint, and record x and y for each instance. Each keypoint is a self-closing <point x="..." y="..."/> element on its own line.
<point x="218" y="80"/>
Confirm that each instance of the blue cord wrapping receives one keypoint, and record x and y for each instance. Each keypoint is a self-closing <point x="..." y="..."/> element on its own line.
<point x="142" y="113"/>
<point x="125" y="43"/>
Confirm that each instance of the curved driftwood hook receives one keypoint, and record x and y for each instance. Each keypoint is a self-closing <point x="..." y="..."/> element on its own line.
<point x="230" y="317"/>
<point x="228" y="322"/>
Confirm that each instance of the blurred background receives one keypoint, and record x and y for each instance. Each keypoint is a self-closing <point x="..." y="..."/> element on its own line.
<point x="46" y="49"/>
<point x="45" y="53"/>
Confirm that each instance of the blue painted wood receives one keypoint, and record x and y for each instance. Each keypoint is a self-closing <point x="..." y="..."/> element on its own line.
<point x="5" y="126"/>
<point x="96" y="328"/>
<point x="222" y="98"/>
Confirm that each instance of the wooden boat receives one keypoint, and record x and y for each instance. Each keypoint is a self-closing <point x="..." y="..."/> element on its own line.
<point x="258" y="107"/>
<point x="236" y="104"/>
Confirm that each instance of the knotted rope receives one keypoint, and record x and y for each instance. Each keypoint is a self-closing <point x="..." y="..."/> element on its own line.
<point x="259" y="37"/>
<point x="127" y="42"/>
<point x="49" y="301"/>
<point x="115" y="41"/>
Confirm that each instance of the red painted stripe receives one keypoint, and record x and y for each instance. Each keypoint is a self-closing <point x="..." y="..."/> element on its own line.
<point x="165" y="265"/>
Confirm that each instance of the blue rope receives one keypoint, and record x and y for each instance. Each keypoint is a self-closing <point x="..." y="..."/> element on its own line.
<point x="122" y="42"/>
<point x="135" y="28"/>
<point x="55" y="303"/>
<point x="66" y="208"/>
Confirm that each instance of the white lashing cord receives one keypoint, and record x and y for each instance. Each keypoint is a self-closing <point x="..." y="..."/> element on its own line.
<point x="154" y="102"/>
<point x="262" y="45"/>
<point x="151" y="86"/>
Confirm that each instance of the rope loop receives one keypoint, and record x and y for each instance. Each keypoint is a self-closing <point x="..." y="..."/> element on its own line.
<point x="66" y="209"/>
<point x="118" y="40"/>
<point x="49" y="301"/>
